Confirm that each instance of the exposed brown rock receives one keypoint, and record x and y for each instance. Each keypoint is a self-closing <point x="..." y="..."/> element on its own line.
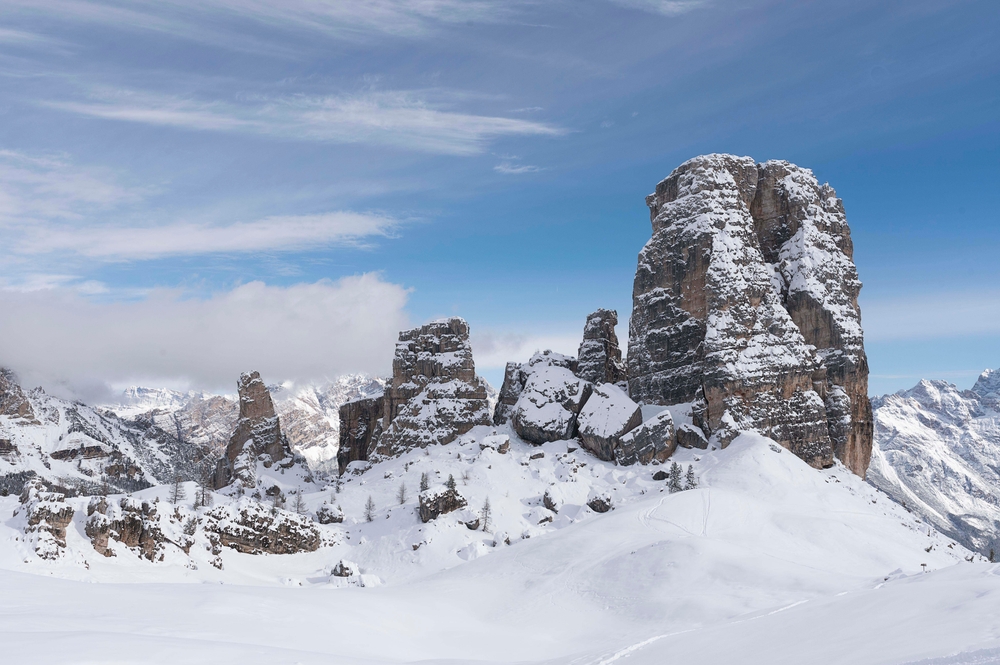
<point x="745" y="302"/>
<point x="360" y="429"/>
<point x="46" y="516"/>
<point x="438" y="501"/>
<point x="12" y="399"/>
<point x="251" y="528"/>
<point x="257" y="436"/>
<point x="652" y="441"/>
<point x="600" y="358"/>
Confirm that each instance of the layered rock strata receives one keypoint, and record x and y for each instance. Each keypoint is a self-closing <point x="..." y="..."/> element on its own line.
<point x="745" y="303"/>
<point x="600" y="359"/>
<point x="257" y="437"/>
<point x="435" y="394"/>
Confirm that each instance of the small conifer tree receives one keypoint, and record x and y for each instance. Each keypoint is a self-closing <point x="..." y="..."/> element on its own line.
<point x="370" y="509"/>
<point x="401" y="494"/>
<point x="674" y="479"/>
<point x="690" y="482"/>
<point x="425" y="481"/>
<point x="450" y="483"/>
<point x="300" y="503"/>
<point x="487" y="512"/>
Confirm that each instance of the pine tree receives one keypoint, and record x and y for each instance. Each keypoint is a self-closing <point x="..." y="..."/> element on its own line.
<point x="425" y="481"/>
<point x="177" y="493"/>
<point x="450" y="483"/>
<point x="487" y="512"/>
<point x="401" y="494"/>
<point x="300" y="503"/>
<point x="370" y="509"/>
<point x="690" y="482"/>
<point x="674" y="479"/>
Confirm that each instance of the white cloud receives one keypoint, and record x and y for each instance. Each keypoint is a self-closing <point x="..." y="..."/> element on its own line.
<point x="514" y="169"/>
<point x="940" y="315"/>
<point x="347" y="19"/>
<point x="47" y="204"/>
<point x="303" y="332"/>
<point x="404" y="119"/>
<point x="665" y="7"/>
<point x="493" y="350"/>
<point x="274" y="234"/>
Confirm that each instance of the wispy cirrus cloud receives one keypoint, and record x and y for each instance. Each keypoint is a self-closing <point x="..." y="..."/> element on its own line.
<point x="665" y="7"/>
<point x="271" y="234"/>
<point x="508" y="168"/>
<point x="50" y="206"/>
<point x="403" y="119"/>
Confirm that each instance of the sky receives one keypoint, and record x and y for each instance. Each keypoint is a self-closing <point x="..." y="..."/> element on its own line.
<point x="192" y="189"/>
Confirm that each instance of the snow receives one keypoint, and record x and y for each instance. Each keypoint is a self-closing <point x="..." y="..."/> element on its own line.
<point x="767" y="557"/>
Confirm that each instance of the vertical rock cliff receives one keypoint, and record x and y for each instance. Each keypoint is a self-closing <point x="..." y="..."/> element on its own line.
<point x="257" y="437"/>
<point x="600" y="359"/>
<point x="745" y="303"/>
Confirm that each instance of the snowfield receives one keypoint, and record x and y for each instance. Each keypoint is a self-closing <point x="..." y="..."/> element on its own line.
<point x="767" y="561"/>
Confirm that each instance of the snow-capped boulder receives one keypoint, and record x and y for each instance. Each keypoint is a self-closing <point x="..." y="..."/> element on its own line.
<point x="745" y="300"/>
<point x="345" y="568"/>
<point x="497" y="442"/>
<point x="607" y="415"/>
<point x="437" y="501"/>
<point x="327" y="514"/>
<point x="600" y="358"/>
<point x="360" y="428"/>
<point x="599" y="502"/>
<point x="257" y="437"/>
<point x="689" y="436"/>
<point x="435" y="394"/>
<point x="552" y="396"/>
<point x="652" y="441"/>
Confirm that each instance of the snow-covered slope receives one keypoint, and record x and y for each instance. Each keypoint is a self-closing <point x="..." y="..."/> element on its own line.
<point x="80" y="448"/>
<point x="937" y="451"/>
<point x="762" y="533"/>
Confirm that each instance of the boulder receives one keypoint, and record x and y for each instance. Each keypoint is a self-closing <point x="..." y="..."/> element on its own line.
<point x="327" y="514"/>
<point x="437" y="501"/>
<point x="652" y="441"/>
<point x="745" y="303"/>
<point x="552" y="396"/>
<point x="435" y="394"/>
<point x="600" y="358"/>
<point x="689" y="436"/>
<point x="257" y="437"/>
<point x="607" y="415"/>
<point x="600" y="502"/>
<point x="345" y="568"/>
<point x="497" y="442"/>
<point x="360" y="428"/>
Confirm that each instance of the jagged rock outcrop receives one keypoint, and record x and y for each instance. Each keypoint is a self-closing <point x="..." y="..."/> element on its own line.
<point x="137" y="525"/>
<point x="745" y="303"/>
<point x="514" y="379"/>
<point x="249" y="527"/>
<point x="600" y="358"/>
<point x="12" y="399"/>
<point x="45" y="517"/>
<point x="435" y="395"/>
<point x="257" y="437"/>
<point x="438" y="501"/>
<point x="360" y="429"/>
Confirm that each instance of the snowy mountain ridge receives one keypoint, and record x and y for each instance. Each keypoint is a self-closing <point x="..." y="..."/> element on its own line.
<point x="938" y="453"/>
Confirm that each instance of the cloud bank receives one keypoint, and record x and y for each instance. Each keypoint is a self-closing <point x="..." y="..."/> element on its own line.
<point x="304" y="332"/>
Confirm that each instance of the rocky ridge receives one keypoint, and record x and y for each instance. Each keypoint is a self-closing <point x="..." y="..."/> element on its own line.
<point x="936" y="451"/>
<point x="745" y="305"/>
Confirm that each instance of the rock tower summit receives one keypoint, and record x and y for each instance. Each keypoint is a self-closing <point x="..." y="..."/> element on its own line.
<point x="745" y="303"/>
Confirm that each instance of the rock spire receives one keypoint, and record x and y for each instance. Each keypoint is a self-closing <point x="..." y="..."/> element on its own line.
<point x="745" y="303"/>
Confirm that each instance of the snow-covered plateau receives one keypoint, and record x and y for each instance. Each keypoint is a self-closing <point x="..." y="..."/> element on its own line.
<point x="766" y="560"/>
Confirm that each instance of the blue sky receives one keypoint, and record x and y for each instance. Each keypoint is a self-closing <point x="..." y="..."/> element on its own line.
<point x="190" y="189"/>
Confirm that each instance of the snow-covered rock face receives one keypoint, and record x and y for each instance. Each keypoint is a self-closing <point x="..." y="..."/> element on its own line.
<point x="257" y="437"/>
<point x="745" y="300"/>
<point x="600" y="358"/>
<point x="936" y="452"/>
<point x="606" y="417"/>
<point x="84" y="450"/>
<point x="435" y="394"/>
